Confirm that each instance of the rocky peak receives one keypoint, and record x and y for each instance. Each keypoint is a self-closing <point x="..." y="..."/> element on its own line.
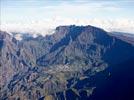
<point x="4" y="35"/>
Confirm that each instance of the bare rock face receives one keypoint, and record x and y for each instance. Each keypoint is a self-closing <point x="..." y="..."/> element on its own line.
<point x="6" y="49"/>
<point x="11" y="62"/>
<point x="60" y="65"/>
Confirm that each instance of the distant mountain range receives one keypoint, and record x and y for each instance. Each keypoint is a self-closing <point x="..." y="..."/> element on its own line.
<point x="128" y="37"/>
<point x="74" y="63"/>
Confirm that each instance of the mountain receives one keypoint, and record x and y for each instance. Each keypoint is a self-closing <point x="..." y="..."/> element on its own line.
<point x="128" y="37"/>
<point x="76" y="62"/>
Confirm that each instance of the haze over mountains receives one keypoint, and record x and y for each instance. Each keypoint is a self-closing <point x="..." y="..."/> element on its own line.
<point x="36" y="15"/>
<point x="81" y="62"/>
<point x="45" y="26"/>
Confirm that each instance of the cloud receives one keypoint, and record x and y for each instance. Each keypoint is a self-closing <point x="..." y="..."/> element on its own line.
<point x="40" y="10"/>
<point x="47" y="26"/>
<point x="42" y="17"/>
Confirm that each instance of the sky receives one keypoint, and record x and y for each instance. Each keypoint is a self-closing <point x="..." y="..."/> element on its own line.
<point x="40" y="15"/>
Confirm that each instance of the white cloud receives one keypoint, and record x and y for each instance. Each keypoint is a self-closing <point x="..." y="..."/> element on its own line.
<point x="46" y="26"/>
<point x="39" y="19"/>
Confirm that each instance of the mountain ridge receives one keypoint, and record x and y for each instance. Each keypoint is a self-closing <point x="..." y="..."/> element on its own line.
<point x="53" y="65"/>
